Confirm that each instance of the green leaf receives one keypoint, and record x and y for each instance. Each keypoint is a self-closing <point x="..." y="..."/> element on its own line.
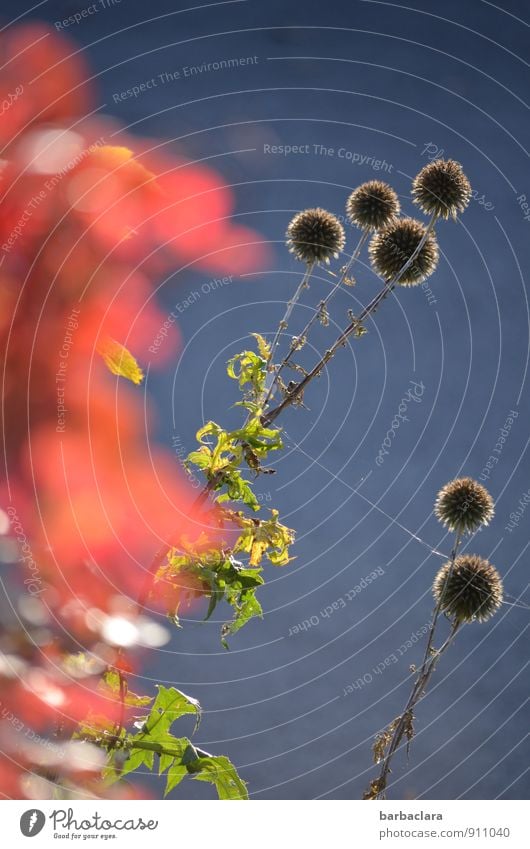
<point x="215" y="598"/>
<point x="238" y="489"/>
<point x="165" y="762"/>
<point x="221" y="772"/>
<point x="138" y="758"/>
<point x="263" y="537"/>
<point x="119" y="360"/>
<point x="170" y="704"/>
<point x="246" y="609"/>
<point x="209" y="429"/>
<point x="174" y="776"/>
<point x="250" y="370"/>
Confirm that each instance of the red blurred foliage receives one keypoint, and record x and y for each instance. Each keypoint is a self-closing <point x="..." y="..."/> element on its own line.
<point x="85" y="226"/>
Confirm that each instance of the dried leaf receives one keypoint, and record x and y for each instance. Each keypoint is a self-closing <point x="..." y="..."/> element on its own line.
<point x="376" y="788"/>
<point x="323" y="315"/>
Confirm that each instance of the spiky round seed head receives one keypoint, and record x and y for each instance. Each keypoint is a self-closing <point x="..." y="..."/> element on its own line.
<point x="315" y="235"/>
<point x="441" y="188"/>
<point x="392" y="247"/>
<point x="472" y="589"/>
<point x="463" y="505"/>
<point x="373" y="205"/>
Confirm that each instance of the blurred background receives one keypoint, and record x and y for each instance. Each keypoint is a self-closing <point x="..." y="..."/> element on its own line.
<point x="364" y="89"/>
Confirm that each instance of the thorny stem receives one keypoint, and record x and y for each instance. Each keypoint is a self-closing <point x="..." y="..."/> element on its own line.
<point x="354" y="324"/>
<point x="272" y="374"/>
<point x="315" y="315"/>
<point x="427" y="668"/>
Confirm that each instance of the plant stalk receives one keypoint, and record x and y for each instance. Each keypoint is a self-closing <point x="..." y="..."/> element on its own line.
<point x="430" y="660"/>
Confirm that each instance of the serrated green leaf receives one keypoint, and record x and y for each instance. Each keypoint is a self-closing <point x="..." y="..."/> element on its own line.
<point x="202" y="458"/>
<point x="215" y="598"/>
<point x="165" y="762"/>
<point x="209" y="429"/>
<point x="111" y="683"/>
<point x="245" y="609"/>
<point x="190" y="757"/>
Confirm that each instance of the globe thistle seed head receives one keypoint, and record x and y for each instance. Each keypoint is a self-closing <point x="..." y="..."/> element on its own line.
<point x="392" y="247"/>
<point x="441" y="188"/>
<point x="315" y="235"/>
<point x="373" y="205"/>
<point x="472" y="589"/>
<point x="463" y="505"/>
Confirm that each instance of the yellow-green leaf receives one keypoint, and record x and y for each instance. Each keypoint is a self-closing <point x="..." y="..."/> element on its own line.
<point x="263" y="346"/>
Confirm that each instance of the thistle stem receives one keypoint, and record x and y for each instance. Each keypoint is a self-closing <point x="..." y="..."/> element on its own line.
<point x="323" y="303"/>
<point x="430" y="660"/>
<point x="355" y="323"/>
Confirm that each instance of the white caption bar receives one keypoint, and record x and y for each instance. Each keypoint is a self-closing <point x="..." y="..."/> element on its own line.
<point x="359" y="825"/>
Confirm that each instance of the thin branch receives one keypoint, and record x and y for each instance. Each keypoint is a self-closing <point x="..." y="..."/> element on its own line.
<point x="284" y="323"/>
<point x="405" y="719"/>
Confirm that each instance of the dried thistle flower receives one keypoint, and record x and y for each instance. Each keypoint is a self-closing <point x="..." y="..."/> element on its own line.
<point x="391" y="248"/>
<point x="315" y="235"/>
<point x="373" y="205"/>
<point x="441" y="188"/>
<point x="463" y="505"/>
<point x="471" y="589"/>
